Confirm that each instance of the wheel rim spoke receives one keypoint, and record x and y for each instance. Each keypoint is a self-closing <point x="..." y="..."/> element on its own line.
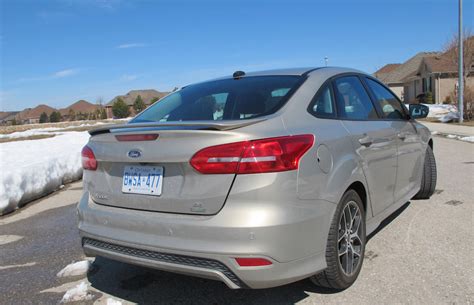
<point x="349" y="243"/>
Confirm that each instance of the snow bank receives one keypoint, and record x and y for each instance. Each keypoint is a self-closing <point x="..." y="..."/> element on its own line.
<point x="30" y="169"/>
<point x="444" y="113"/>
<point x="467" y="139"/>
<point x="74" y="269"/>
<point x="77" y="293"/>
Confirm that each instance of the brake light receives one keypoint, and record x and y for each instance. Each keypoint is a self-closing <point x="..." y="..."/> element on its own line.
<point x="252" y="261"/>
<point x="89" y="161"/>
<point x="136" y="137"/>
<point x="250" y="157"/>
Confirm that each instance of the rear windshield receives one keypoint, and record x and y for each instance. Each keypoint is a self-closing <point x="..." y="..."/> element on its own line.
<point x="227" y="99"/>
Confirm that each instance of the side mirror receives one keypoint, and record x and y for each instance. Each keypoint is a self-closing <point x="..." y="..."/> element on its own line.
<point x="418" y="111"/>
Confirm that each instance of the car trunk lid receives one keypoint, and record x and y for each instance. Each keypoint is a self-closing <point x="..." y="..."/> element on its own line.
<point x="184" y="190"/>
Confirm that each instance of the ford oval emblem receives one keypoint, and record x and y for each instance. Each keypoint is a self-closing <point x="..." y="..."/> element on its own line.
<point x="134" y="153"/>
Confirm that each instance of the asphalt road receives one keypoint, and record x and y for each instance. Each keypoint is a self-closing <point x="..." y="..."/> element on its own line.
<point x="423" y="254"/>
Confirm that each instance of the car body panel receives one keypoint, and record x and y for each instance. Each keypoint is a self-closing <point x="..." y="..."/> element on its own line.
<point x="280" y="216"/>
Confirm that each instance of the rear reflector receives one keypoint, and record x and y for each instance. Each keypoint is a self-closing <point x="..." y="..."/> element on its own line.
<point x="250" y="157"/>
<point x="89" y="161"/>
<point x="252" y="261"/>
<point x="136" y="137"/>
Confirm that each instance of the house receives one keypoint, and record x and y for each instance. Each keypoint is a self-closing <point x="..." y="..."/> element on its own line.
<point x="8" y="117"/>
<point x="394" y="76"/>
<point x="32" y="115"/>
<point x="80" y="110"/>
<point x="149" y="96"/>
<point x="425" y="72"/>
<point x="438" y="75"/>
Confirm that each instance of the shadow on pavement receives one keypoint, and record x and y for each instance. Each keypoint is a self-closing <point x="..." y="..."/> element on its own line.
<point x="388" y="220"/>
<point x="148" y="286"/>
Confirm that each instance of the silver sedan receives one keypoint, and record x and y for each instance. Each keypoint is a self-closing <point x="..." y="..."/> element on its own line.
<point x="256" y="179"/>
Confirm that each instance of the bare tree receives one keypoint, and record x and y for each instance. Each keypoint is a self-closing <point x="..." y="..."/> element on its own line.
<point x="100" y="101"/>
<point x="451" y="51"/>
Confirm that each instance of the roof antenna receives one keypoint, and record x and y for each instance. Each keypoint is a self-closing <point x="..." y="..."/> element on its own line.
<point x="238" y="74"/>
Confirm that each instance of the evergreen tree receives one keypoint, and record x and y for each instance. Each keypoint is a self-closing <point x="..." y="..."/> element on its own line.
<point x="120" y="109"/>
<point x="429" y="97"/>
<point x="43" y="118"/>
<point x="55" y="116"/>
<point x="138" y="105"/>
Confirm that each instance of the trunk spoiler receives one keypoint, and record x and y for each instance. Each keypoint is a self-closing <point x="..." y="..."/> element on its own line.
<point x="202" y="125"/>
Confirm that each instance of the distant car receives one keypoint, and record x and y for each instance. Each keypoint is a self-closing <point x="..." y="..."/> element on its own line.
<point x="257" y="179"/>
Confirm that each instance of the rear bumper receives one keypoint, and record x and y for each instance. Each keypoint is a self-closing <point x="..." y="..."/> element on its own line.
<point x="292" y="236"/>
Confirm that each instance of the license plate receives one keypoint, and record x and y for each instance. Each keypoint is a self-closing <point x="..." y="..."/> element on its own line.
<point x="146" y="180"/>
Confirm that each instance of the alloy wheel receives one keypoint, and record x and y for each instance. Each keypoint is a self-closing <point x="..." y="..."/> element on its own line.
<point x="349" y="241"/>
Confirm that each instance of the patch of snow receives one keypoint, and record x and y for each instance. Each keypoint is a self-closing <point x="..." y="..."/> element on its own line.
<point x="451" y="136"/>
<point x="6" y="239"/>
<point x="434" y="132"/>
<point x="31" y="169"/>
<point x="467" y="139"/>
<point x="74" y="269"/>
<point x="17" y="266"/>
<point x="77" y="293"/>
<point x="111" y="301"/>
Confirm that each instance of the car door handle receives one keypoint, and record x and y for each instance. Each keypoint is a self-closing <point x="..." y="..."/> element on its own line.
<point x="366" y="141"/>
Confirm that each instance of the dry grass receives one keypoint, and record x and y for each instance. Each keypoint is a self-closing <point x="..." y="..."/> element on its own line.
<point x="35" y="137"/>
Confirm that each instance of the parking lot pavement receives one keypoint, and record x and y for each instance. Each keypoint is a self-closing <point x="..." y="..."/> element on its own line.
<point x="422" y="255"/>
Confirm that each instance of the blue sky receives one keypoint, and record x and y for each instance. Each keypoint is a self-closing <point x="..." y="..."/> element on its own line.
<point x="58" y="51"/>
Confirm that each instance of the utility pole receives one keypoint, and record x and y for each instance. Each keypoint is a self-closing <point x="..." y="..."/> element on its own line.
<point x="460" y="68"/>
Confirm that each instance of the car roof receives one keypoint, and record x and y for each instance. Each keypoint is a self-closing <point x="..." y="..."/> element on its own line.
<point x="299" y="71"/>
<point x="310" y="71"/>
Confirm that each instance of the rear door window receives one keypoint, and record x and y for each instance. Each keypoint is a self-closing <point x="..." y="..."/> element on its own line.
<point x="227" y="99"/>
<point x="389" y="104"/>
<point x="353" y="102"/>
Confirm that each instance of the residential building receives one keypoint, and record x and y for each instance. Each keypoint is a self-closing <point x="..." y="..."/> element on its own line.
<point x="395" y="75"/>
<point x="80" y="110"/>
<point x="32" y="115"/>
<point x="425" y="72"/>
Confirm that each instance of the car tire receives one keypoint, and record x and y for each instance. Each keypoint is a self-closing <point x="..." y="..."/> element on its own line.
<point x="429" y="176"/>
<point x="337" y="276"/>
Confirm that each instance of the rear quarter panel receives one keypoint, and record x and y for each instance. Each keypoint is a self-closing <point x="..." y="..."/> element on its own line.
<point x="331" y="165"/>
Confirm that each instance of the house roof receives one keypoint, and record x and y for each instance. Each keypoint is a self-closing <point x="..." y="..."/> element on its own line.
<point x="387" y="69"/>
<point x="7" y="115"/>
<point x="79" y="106"/>
<point x="399" y="73"/>
<point x="442" y="64"/>
<point x="34" y="113"/>
<point x="147" y="95"/>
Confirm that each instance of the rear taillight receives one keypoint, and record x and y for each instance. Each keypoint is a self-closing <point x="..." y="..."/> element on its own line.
<point x="250" y="157"/>
<point x="88" y="159"/>
<point x="136" y="137"/>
